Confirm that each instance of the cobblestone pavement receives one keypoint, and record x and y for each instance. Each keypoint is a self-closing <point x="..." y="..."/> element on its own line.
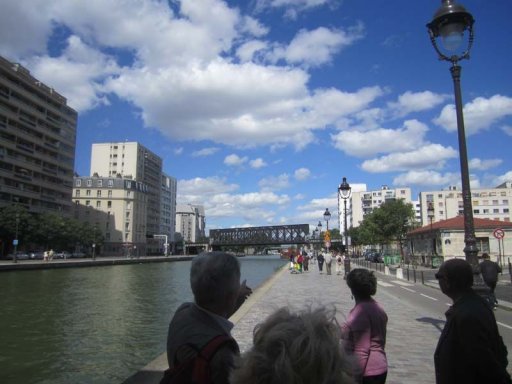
<point x="412" y="335"/>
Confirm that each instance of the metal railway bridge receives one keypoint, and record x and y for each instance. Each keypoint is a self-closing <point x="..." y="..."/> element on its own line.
<point x="260" y="236"/>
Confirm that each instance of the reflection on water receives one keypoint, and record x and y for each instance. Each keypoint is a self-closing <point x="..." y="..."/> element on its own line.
<point x="94" y="325"/>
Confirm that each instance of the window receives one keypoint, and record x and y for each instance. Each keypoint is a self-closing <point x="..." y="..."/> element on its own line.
<point x="486" y="211"/>
<point x="128" y="215"/>
<point x="98" y="204"/>
<point x="440" y="195"/>
<point x="505" y="201"/>
<point x="77" y="193"/>
<point x="128" y="193"/>
<point x="127" y="226"/>
<point x="129" y="205"/>
<point x="495" y="202"/>
<point x="89" y="182"/>
<point x="109" y="204"/>
<point x="505" y="210"/>
<point x="77" y="202"/>
<point x="110" y="193"/>
<point x="110" y="182"/>
<point x="100" y="183"/>
<point x="482" y="244"/>
<point x="87" y="203"/>
<point x="88" y="192"/>
<point x="98" y="193"/>
<point x="477" y="211"/>
<point x="78" y="182"/>
<point x="486" y="202"/>
<point x="495" y="210"/>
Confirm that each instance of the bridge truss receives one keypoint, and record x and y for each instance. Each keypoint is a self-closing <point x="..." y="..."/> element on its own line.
<point x="282" y="234"/>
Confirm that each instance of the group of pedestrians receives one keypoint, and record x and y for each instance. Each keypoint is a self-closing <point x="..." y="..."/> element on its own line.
<point x="309" y="346"/>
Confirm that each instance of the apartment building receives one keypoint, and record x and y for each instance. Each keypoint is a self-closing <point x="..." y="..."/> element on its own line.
<point x="117" y="207"/>
<point x="37" y="143"/>
<point x="364" y="202"/>
<point x="168" y="209"/>
<point x="190" y="222"/>
<point x="133" y="160"/>
<point x="488" y="203"/>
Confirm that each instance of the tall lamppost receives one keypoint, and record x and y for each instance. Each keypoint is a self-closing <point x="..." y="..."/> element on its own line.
<point x="15" y="242"/>
<point x="450" y="22"/>
<point x="344" y="191"/>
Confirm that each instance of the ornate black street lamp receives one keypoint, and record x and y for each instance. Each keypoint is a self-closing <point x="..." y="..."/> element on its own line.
<point x="452" y="23"/>
<point x="344" y="192"/>
<point x="327" y="217"/>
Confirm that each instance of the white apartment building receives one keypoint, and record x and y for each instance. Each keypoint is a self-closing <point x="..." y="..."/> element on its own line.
<point x="117" y="207"/>
<point x="364" y="202"/>
<point x="133" y="160"/>
<point x="168" y="209"/>
<point x="190" y="222"/>
<point x="488" y="203"/>
<point x="37" y="143"/>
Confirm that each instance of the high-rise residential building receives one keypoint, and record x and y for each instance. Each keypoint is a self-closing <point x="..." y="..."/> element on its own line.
<point x="364" y="202"/>
<point x="168" y="209"/>
<point x="133" y="160"/>
<point x="190" y="222"/>
<point x="117" y="207"/>
<point x="488" y="203"/>
<point x="37" y="143"/>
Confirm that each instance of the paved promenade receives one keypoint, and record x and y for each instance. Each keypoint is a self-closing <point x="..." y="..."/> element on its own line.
<point x="410" y="343"/>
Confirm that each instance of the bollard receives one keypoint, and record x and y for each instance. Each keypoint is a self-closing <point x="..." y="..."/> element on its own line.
<point x="414" y="275"/>
<point x="422" y="278"/>
<point x="407" y="274"/>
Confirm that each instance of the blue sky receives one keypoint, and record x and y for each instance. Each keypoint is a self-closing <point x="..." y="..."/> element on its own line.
<point x="260" y="107"/>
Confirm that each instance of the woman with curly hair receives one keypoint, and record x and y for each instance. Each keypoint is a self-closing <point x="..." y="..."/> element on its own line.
<point x="365" y="330"/>
<point x="296" y="348"/>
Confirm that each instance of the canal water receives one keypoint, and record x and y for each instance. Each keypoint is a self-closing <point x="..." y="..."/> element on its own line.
<point x="94" y="325"/>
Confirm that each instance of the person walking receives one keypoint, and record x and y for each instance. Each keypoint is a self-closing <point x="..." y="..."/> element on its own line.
<point x="328" y="261"/>
<point x="490" y="270"/>
<point x="320" y="259"/>
<point x="305" y="263"/>
<point x="364" y="332"/>
<point x="470" y="349"/>
<point x="339" y="264"/>
<point x="215" y="283"/>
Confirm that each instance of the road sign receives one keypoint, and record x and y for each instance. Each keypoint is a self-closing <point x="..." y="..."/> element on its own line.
<point x="499" y="233"/>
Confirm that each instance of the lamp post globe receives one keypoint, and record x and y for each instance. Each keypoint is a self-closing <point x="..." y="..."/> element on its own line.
<point x="453" y="23"/>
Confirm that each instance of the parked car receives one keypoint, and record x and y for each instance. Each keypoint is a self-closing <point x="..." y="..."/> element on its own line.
<point x="19" y="256"/>
<point x="36" y="255"/>
<point x="62" y="255"/>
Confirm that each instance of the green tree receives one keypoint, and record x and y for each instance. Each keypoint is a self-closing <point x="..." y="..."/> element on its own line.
<point x="392" y="221"/>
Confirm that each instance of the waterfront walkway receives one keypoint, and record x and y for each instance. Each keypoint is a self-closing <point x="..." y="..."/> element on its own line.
<point x="410" y="342"/>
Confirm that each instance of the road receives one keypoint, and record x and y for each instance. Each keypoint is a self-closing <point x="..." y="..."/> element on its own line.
<point x="433" y="303"/>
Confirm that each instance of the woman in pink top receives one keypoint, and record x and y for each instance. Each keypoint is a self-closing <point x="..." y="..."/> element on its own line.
<point x="365" y="330"/>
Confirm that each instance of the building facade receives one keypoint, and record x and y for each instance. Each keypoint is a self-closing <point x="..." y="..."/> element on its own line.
<point x="117" y="207"/>
<point x="190" y="222"/>
<point x="444" y="239"/>
<point x="37" y="143"/>
<point x="488" y="203"/>
<point x="364" y="202"/>
<point x="168" y="210"/>
<point x="133" y="160"/>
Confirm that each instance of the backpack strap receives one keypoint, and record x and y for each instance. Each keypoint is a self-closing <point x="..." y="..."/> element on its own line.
<point x="202" y="365"/>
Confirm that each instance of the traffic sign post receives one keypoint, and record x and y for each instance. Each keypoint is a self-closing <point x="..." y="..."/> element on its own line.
<point x="499" y="234"/>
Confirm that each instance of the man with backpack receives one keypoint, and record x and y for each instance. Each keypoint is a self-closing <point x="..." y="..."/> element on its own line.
<point x="200" y="348"/>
